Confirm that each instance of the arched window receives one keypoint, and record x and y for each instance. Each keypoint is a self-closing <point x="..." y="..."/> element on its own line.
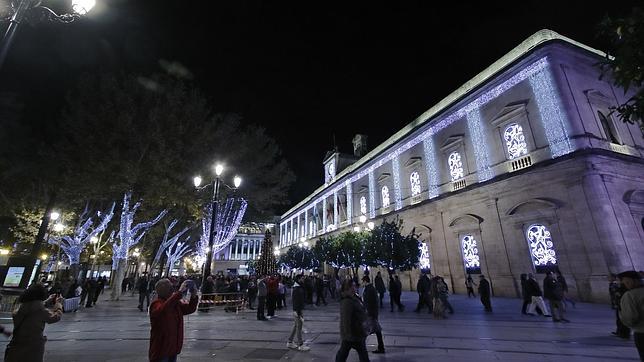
<point x="414" y="179"/>
<point x="363" y="205"/>
<point x="471" y="255"/>
<point x="455" y="166"/>
<point x="608" y="127"/>
<point x="515" y="141"/>
<point x="541" y="246"/>
<point x="385" y="197"/>
<point x="423" y="259"/>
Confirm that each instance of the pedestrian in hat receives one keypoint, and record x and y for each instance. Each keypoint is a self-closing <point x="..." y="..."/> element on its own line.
<point x="631" y="306"/>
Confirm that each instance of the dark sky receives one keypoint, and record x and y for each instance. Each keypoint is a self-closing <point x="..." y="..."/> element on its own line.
<point x="305" y="70"/>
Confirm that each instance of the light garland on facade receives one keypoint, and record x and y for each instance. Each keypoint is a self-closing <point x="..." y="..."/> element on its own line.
<point x="385" y="197"/>
<point x="515" y="141"/>
<point x="395" y="165"/>
<point x="552" y="117"/>
<point x="349" y="202"/>
<point x="471" y="254"/>
<point x="541" y="246"/>
<point x="423" y="260"/>
<point x="335" y="209"/>
<point x="414" y="181"/>
<point x="455" y="166"/>
<point x="479" y="143"/>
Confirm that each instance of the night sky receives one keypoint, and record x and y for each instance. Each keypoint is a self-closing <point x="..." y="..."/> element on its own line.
<point x="305" y="72"/>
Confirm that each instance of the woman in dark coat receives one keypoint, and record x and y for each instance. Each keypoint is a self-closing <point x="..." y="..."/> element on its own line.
<point x="527" y="298"/>
<point x="28" y="341"/>
<point x="352" y="319"/>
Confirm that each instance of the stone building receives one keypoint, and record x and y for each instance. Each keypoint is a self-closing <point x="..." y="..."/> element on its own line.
<point x="522" y="169"/>
<point x="246" y="246"/>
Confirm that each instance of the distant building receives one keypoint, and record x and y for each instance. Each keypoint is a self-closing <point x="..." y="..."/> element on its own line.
<point x="522" y="169"/>
<point x="247" y="245"/>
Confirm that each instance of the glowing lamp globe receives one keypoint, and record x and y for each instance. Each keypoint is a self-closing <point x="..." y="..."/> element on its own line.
<point x="363" y="219"/>
<point x="370" y="225"/>
<point x="219" y="169"/>
<point x="54" y="215"/>
<point x="237" y="181"/>
<point x="197" y="181"/>
<point x="59" y="227"/>
<point x="356" y="229"/>
<point x="82" y="7"/>
<point x="93" y="240"/>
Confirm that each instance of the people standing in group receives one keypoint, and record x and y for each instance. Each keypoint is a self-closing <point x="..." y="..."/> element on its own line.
<point x="524" y="294"/>
<point x="90" y="285"/>
<point x="319" y="290"/>
<point x="281" y="293"/>
<point x="533" y="291"/>
<point x="262" y="292"/>
<point x="423" y="287"/>
<point x="166" y="319"/>
<point x="370" y="299"/>
<point x="469" y="284"/>
<point x="207" y="289"/>
<point x="395" y="290"/>
<point x="352" y="319"/>
<point x="271" y="297"/>
<point x="631" y="307"/>
<point x="252" y="292"/>
<point x="308" y="289"/>
<point x="553" y="292"/>
<point x="621" y="329"/>
<point x="143" y="293"/>
<point x="27" y="343"/>
<point x="380" y="287"/>
<point x="485" y="293"/>
<point x="295" y="340"/>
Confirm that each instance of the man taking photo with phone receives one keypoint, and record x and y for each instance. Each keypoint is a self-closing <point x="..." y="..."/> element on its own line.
<point x="166" y="319"/>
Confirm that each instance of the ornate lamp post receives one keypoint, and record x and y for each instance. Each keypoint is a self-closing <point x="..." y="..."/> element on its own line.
<point x="19" y="10"/>
<point x="219" y="169"/>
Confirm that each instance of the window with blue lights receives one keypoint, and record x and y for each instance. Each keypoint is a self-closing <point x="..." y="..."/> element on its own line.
<point x="414" y="180"/>
<point x="385" y="197"/>
<point x="471" y="254"/>
<point x="541" y="247"/>
<point x="515" y="141"/>
<point x="455" y="166"/>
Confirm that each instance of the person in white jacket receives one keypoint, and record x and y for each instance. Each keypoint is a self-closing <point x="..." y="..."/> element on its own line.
<point x="632" y="307"/>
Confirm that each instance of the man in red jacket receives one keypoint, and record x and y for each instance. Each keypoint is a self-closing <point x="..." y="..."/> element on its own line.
<point x="166" y="319"/>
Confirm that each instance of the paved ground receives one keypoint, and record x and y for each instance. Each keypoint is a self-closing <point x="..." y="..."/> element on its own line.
<point x="117" y="331"/>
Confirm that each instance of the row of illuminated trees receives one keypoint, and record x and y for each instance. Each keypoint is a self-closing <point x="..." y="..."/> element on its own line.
<point x="385" y="246"/>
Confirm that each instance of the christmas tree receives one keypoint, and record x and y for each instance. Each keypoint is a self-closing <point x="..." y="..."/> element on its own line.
<point x="266" y="263"/>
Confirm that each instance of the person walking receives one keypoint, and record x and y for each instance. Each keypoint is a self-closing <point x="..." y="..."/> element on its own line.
<point x="380" y="287"/>
<point x="395" y="290"/>
<point x="295" y="340"/>
<point x="271" y="297"/>
<point x="524" y="294"/>
<point x="469" y="284"/>
<point x="564" y="288"/>
<point x="370" y="298"/>
<point x="443" y="294"/>
<point x="91" y="291"/>
<point x="533" y="291"/>
<point x="485" y="292"/>
<point x="262" y="292"/>
<point x="143" y="293"/>
<point x="631" y="306"/>
<point x="100" y="285"/>
<point x="553" y="292"/>
<point x="166" y="319"/>
<point x="621" y="330"/>
<point x="352" y="319"/>
<point x="281" y="294"/>
<point x="36" y="309"/>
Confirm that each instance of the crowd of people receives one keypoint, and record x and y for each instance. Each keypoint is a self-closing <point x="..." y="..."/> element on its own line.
<point x="169" y="299"/>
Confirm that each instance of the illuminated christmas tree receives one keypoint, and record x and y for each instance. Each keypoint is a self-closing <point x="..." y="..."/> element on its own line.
<point x="266" y="263"/>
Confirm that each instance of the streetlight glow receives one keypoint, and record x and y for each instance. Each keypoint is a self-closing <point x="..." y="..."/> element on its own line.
<point x="197" y="181"/>
<point x="237" y="181"/>
<point x="356" y="229"/>
<point x="59" y="227"/>
<point x="370" y="225"/>
<point x="4" y="251"/>
<point x="363" y="219"/>
<point x="82" y="7"/>
<point x="44" y="256"/>
<point x="54" y="215"/>
<point x="93" y="240"/>
<point x="219" y="169"/>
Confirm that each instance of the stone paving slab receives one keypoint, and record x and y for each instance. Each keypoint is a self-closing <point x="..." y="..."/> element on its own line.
<point x="117" y="331"/>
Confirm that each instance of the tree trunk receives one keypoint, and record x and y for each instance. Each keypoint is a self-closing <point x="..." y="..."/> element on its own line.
<point x="44" y="225"/>
<point x="73" y="270"/>
<point x="118" y="280"/>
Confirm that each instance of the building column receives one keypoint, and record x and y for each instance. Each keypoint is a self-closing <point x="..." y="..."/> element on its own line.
<point x="430" y="167"/>
<point x="236" y="249"/>
<point x="335" y="209"/>
<point x="306" y="223"/>
<point x="372" y="196"/>
<point x="324" y="215"/>
<point x="395" y="167"/>
<point x="349" y="202"/>
<point x="481" y="154"/>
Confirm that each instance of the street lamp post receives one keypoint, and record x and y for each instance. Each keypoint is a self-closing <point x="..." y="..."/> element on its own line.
<point x="21" y="8"/>
<point x="219" y="169"/>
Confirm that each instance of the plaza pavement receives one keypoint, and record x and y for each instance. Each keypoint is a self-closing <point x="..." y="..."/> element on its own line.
<point x="117" y="331"/>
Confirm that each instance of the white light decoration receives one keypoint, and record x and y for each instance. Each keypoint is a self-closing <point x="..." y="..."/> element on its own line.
<point x="541" y="246"/>
<point x="372" y="195"/>
<point x="547" y="101"/>
<point x="395" y="166"/>
<point x="385" y="197"/>
<point x="363" y="205"/>
<point x="363" y="219"/>
<point x="552" y="117"/>
<point x="430" y="167"/>
<point x="515" y="141"/>
<point x="423" y="259"/>
<point x="479" y="143"/>
<point x="175" y="252"/>
<point x="470" y="254"/>
<point x="324" y="223"/>
<point x="129" y="235"/>
<point x="84" y="233"/>
<point x="414" y="180"/>
<point x="169" y="242"/>
<point x="455" y="166"/>
<point x="335" y="209"/>
<point x="349" y="202"/>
